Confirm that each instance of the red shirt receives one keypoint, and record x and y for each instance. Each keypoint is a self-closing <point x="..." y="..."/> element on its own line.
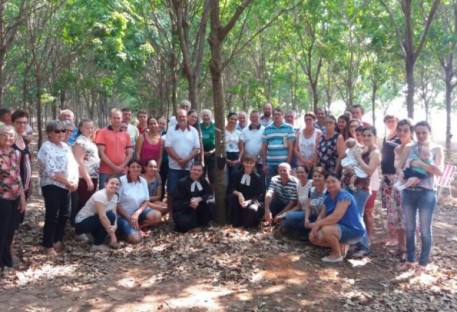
<point x="116" y="144"/>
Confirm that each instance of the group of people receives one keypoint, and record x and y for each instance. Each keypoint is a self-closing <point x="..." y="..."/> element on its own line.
<point x="319" y="181"/>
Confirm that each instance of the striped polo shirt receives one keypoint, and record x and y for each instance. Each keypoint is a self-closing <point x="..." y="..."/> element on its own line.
<point x="277" y="139"/>
<point x="284" y="192"/>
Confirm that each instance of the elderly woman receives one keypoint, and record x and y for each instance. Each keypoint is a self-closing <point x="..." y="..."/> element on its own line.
<point x="58" y="177"/>
<point x="246" y="195"/>
<point x="420" y="198"/>
<point x="12" y="197"/>
<point x="135" y="210"/>
<point x="339" y="222"/>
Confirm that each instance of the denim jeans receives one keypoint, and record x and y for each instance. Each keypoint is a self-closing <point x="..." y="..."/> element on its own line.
<point x="173" y="177"/>
<point x="361" y="198"/>
<point x="272" y="171"/>
<point x="294" y="222"/>
<point x="93" y="226"/>
<point x="416" y="199"/>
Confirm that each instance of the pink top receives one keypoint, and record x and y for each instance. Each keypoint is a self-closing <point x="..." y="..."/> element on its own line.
<point x="150" y="151"/>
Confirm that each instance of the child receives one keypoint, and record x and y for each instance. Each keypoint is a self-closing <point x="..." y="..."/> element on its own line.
<point x="414" y="174"/>
<point x="351" y="168"/>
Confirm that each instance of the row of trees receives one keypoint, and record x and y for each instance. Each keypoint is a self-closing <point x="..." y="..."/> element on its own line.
<point x="90" y="55"/>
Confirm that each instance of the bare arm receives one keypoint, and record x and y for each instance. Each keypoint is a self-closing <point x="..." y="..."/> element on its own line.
<point x="139" y="145"/>
<point x="105" y="159"/>
<point x="290" y="148"/>
<point x="375" y="161"/>
<point x="129" y="155"/>
<point x="100" y="208"/>
<point x="341" y="151"/>
<point x="336" y="215"/>
<point x="318" y="139"/>
<point x="264" y="153"/>
<point x="79" y="152"/>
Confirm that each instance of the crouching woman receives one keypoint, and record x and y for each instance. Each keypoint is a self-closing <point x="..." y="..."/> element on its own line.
<point x="339" y="223"/>
<point x="135" y="211"/>
<point x="98" y="216"/>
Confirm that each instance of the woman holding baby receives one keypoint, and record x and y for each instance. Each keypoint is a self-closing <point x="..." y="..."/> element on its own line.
<point x="368" y="159"/>
<point x="421" y="196"/>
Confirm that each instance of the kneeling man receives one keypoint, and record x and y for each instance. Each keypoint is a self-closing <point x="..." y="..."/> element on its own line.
<point x="193" y="202"/>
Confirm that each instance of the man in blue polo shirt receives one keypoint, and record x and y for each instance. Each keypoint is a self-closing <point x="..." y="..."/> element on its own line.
<point x="277" y="144"/>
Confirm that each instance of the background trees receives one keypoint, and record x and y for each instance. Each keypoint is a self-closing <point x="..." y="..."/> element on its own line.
<point x="152" y="53"/>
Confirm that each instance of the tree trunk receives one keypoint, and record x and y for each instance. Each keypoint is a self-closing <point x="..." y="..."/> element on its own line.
<point x="448" y="101"/>
<point x="215" y="67"/>
<point x="409" y="68"/>
<point x="38" y="112"/>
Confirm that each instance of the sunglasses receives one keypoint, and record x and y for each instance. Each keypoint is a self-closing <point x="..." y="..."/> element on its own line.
<point x="57" y="131"/>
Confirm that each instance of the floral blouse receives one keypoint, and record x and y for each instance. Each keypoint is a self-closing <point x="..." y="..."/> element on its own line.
<point x="53" y="159"/>
<point x="91" y="158"/>
<point x="10" y="178"/>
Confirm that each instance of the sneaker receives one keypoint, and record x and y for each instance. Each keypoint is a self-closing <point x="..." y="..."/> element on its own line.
<point x="99" y="248"/>
<point x="81" y="238"/>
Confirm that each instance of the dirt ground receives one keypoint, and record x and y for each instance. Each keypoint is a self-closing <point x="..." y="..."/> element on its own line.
<point x="226" y="269"/>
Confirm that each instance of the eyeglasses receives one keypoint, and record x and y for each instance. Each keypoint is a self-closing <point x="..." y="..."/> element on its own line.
<point x="57" y="131"/>
<point x="7" y="135"/>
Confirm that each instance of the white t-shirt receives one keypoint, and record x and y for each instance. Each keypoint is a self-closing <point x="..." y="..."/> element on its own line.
<point x="232" y="138"/>
<point x="132" y="194"/>
<point x="133" y="132"/>
<point x="252" y="139"/>
<point x="89" y="208"/>
<point x="182" y="142"/>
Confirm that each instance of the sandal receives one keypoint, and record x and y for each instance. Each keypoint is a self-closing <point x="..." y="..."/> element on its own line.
<point x="331" y="259"/>
<point x="405" y="266"/>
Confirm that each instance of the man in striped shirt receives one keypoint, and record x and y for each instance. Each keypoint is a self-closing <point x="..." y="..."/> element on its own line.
<point x="281" y="195"/>
<point x="277" y="144"/>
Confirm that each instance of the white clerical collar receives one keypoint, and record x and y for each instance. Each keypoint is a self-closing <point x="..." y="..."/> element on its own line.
<point x="196" y="185"/>
<point x="246" y="179"/>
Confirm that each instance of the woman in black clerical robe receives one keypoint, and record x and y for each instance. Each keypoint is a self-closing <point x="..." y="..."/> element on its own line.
<point x="245" y="196"/>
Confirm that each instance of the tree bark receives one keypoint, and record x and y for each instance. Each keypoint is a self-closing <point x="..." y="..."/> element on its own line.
<point x="216" y="38"/>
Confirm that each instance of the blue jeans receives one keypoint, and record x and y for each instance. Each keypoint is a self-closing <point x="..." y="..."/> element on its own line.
<point x="361" y="198"/>
<point x="173" y="177"/>
<point x="423" y="200"/>
<point x="93" y="226"/>
<point x="294" y="222"/>
<point x="272" y="171"/>
<point x="124" y="225"/>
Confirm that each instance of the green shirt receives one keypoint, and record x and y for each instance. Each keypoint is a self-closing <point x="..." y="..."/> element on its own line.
<point x="208" y="136"/>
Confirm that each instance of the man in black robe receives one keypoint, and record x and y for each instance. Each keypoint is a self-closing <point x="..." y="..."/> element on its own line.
<point x="193" y="202"/>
